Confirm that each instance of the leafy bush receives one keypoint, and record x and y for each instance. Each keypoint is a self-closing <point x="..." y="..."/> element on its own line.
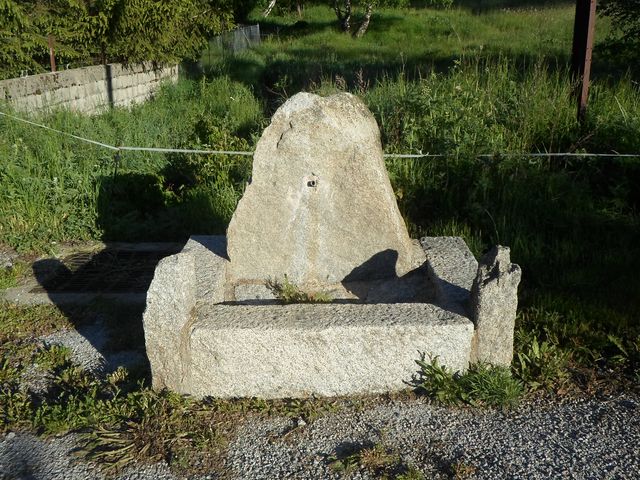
<point x="481" y="384"/>
<point x="542" y="365"/>
<point x="106" y="31"/>
<point x="625" y="16"/>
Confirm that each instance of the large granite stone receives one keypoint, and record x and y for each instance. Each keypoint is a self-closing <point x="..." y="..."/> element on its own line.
<point x="275" y="351"/>
<point x="201" y="345"/>
<point x="179" y="282"/>
<point x="494" y="301"/>
<point x="320" y="206"/>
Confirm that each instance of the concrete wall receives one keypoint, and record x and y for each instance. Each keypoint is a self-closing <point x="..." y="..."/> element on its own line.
<point x="87" y="90"/>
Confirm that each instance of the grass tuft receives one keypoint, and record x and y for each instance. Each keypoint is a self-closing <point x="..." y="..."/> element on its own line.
<point x="287" y="292"/>
<point x="480" y="385"/>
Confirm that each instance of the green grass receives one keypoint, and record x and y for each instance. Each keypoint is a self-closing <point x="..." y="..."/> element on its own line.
<point x="480" y="385"/>
<point x="57" y="189"/>
<point x="449" y="82"/>
<point x="416" y="42"/>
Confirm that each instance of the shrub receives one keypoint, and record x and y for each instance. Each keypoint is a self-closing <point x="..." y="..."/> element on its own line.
<point x="481" y="384"/>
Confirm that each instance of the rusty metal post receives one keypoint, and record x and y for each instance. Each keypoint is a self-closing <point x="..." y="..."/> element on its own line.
<point x="583" y="33"/>
<point x="52" y="53"/>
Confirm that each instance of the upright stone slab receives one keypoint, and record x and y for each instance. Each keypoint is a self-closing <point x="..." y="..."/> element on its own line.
<point x="320" y="206"/>
<point x="494" y="301"/>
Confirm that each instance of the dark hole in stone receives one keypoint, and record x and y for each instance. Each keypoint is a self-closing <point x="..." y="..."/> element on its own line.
<point x="312" y="183"/>
<point x="108" y="271"/>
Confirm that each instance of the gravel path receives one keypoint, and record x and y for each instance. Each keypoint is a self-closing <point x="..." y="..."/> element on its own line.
<point x="582" y="439"/>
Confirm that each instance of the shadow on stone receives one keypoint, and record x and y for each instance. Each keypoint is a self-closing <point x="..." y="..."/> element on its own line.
<point x="217" y="244"/>
<point x="375" y="281"/>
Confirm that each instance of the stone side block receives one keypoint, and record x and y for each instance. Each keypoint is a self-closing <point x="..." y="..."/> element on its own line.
<point x="275" y="351"/>
<point x="494" y="302"/>
<point x="452" y="268"/>
<point x="171" y="300"/>
<point x="210" y="257"/>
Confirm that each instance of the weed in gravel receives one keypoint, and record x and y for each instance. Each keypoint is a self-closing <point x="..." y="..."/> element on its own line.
<point x="542" y="365"/>
<point x="480" y="385"/>
<point x="164" y="426"/>
<point x="461" y="470"/>
<point x="378" y="459"/>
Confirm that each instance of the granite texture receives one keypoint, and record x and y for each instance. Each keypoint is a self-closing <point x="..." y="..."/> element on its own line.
<point x="274" y="351"/>
<point x="493" y="305"/>
<point x="452" y="268"/>
<point x="320" y="208"/>
<point x="201" y="340"/>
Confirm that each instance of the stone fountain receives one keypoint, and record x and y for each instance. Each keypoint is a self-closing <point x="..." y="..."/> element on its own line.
<point x="320" y="214"/>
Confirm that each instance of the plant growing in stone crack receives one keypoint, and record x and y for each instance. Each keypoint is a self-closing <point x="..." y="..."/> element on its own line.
<point x="288" y="292"/>
<point x="481" y="385"/>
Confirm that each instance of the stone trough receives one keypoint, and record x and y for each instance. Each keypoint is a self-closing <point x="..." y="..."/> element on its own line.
<point x="320" y="216"/>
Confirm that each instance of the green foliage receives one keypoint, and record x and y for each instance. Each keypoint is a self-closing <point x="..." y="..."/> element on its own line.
<point x="288" y="292"/>
<point x="18" y="323"/>
<point x="377" y="459"/>
<point x="414" y="41"/>
<point x="481" y="384"/>
<point x="163" y="426"/>
<point x="559" y="337"/>
<point x="9" y="276"/>
<point x="625" y="17"/>
<point x="542" y="365"/>
<point x="440" y="3"/>
<point x="161" y="31"/>
<point x="56" y="189"/>
<point x="125" y="31"/>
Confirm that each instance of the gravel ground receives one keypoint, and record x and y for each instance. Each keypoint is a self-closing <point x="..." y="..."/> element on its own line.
<point x="86" y="346"/>
<point x="588" y="438"/>
<point x="582" y="439"/>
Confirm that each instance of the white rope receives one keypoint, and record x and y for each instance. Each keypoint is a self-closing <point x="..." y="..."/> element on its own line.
<point x="110" y="147"/>
<point x="386" y="155"/>
<point x="182" y="150"/>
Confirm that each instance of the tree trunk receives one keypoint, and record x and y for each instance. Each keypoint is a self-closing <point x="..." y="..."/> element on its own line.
<point x="267" y="11"/>
<point x="343" y="17"/>
<point x="365" y="22"/>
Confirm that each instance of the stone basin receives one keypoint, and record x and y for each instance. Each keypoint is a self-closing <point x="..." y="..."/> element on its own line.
<point x="320" y="213"/>
<point x="200" y="344"/>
